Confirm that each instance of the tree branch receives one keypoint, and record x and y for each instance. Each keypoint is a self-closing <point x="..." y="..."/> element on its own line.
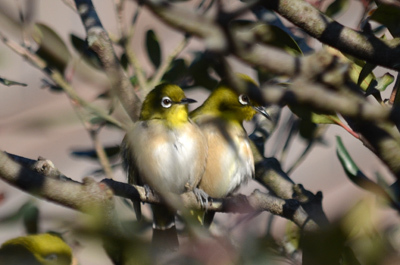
<point x="74" y="195"/>
<point x="89" y="195"/>
<point x="99" y="42"/>
<point x="362" y="45"/>
<point x="320" y="98"/>
<point x="58" y="79"/>
<point x="382" y="140"/>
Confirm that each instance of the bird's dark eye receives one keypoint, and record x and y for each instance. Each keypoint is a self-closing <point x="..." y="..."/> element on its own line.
<point x="244" y="99"/>
<point x="166" y="102"/>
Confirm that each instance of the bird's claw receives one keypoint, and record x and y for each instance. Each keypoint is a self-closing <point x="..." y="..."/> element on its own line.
<point x="148" y="190"/>
<point x="202" y="197"/>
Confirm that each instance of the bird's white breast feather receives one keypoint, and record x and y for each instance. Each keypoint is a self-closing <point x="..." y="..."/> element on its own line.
<point x="166" y="162"/>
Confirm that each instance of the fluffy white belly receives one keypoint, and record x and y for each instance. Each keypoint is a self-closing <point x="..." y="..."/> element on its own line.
<point x="167" y="159"/>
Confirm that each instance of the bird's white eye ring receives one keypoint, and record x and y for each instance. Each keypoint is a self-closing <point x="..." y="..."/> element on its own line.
<point x="244" y="99"/>
<point x="166" y="102"/>
<point x="51" y="257"/>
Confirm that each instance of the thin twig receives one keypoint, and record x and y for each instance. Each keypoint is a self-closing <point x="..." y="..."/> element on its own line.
<point x="58" y="79"/>
<point x="101" y="154"/>
<point x="119" y="8"/>
<point x="137" y="67"/>
<point x="133" y="60"/>
<point x="289" y="139"/>
<point x="302" y="156"/>
<point x="94" y="135"/>
<point x="70" y="4"/>
<point x="23" y="23"/>
<point x="283" y="134"/>
<point x="395" y="95"/>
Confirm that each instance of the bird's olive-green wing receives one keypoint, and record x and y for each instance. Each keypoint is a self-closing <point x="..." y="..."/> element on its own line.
<point x="130" y="168"/>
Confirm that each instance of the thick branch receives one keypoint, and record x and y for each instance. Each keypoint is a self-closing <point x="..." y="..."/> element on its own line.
<point x="256" y="202"/>
<point x="190" y="22"/>
<point x="361" y="45"/>
<point x="67" y="193"/>
<point x="99" y="41"/>
<point x="270" y="174"/>
<point x="318" y="97"/>
<point x="91" y="195"/>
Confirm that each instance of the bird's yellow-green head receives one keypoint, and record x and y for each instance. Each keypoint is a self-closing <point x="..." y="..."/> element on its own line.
<point x="47" y="249"/>
<point x="168" y="103"/>
<point x="230" y="105"/>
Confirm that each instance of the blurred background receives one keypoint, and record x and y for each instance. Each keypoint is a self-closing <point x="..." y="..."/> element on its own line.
<point x="38" y="121"/>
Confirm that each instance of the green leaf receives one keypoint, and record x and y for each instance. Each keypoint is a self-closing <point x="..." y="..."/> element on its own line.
<point x="278" y="38"/>
<point x="97" y="120"/>
<point x="52" y="48"/>
<point x="199" y="70"/>
<point x="134" y="80"/>
<point x="307" y="129"/>
<point x="351" y="169"/>
<point x="99" y="172"/>
<point x="88" y="55"/>
<point x="292" y="235"/>
<point x="8" y="82"/>
<point x="384" y="81"/>
<point x="53" y="88"/>
<point x="324" y="118"/>
<point x="177" y="69"/>
<point x="263" y="75"/>
<point x="268" y="34"/>
<point x="356" y="175"/>
<point x="380" y="180"/>
<point x="361" y="73"/>
<point x="366" y="74"/>
<point x="111" y="151"/>
<point x="356" y="68"/>
<point x="78" y="43"/>
<point x="379" y="84"/>
<point x="389" y="16"/>
<point x="348" y="257"/>
<point x="314" y="117"/>
<point x="395" y="189"/>
<point x="104" y="95"/>
<point x="269" y="17"/>
<point x="30" y="217"/>
<point x="153" y="48"/>
<point x="124" y="61"/>
<point x="20" y="213"/>
<point x="336" y="7"/>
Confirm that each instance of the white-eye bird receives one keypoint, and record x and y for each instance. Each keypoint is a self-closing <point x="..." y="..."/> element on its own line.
<point x="166" y="151"/>
<point x="40" y="249"/>
<point x="230" y="159"/>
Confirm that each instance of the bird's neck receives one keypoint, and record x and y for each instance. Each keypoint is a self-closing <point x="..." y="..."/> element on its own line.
<point x="229" y="118"/>
<point x="232" y="119"/>
<point x="177" y="118"/>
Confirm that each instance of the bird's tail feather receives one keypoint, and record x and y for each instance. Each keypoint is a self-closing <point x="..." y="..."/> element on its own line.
<point x="208" y="218"/>
<point x="165" y="236"/>
<point x="165" y="240"/>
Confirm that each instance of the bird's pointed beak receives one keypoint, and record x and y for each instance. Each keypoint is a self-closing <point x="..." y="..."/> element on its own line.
<point x="262" y="110"/>
<point x="187" y="101"/>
